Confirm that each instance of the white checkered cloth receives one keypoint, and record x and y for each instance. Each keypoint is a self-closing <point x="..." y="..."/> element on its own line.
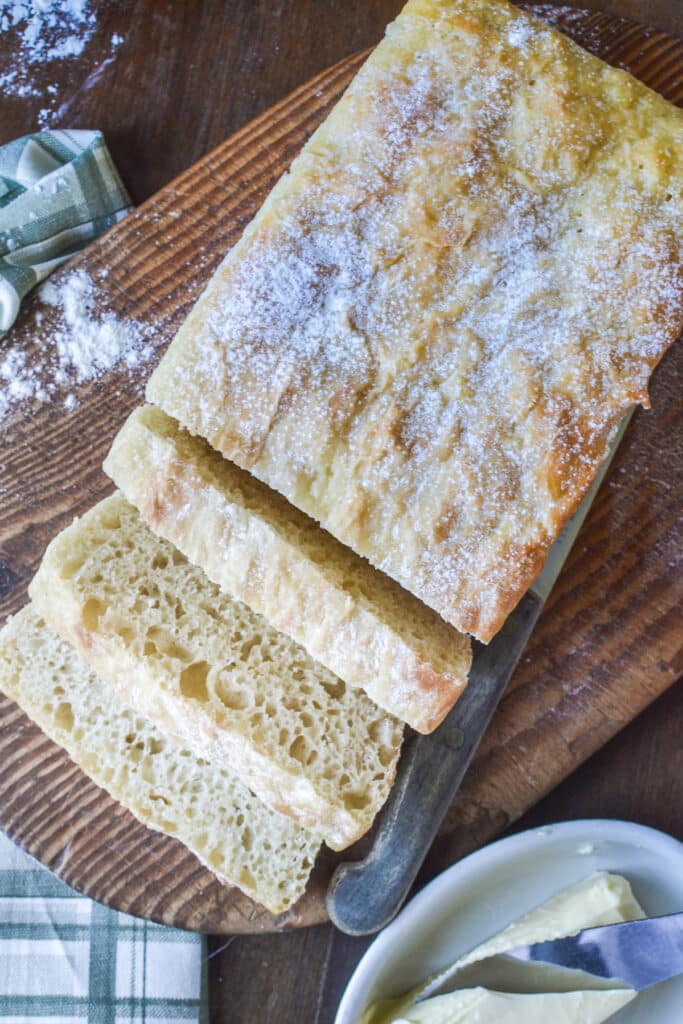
<point x="66" y="959"/>
<point x="59" y="190"/>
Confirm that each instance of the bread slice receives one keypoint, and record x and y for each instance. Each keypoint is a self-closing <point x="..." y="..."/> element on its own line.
<point x="263" y="551"/>
<point x="214" y="675"/>
<point x="430" y="331"/>
<point x="165" y="786"/>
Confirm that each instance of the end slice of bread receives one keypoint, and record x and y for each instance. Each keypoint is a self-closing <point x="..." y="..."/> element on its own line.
<point x="165" y="786"/>
<point x="215" y="675"/>
<point x="250" y="541"/>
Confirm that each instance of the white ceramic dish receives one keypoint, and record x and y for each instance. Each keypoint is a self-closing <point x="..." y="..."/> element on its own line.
<point x="482" y="893"/>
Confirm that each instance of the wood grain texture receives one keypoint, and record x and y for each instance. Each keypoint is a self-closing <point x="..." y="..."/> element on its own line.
<point x="609" y="641"/>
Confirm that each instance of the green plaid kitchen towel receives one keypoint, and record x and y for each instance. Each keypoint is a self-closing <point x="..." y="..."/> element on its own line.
<point x="66" y="959"/>
<point x="59" y="190"/>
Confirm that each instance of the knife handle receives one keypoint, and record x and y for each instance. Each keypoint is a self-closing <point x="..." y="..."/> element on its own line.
<point x="364" y="896"/>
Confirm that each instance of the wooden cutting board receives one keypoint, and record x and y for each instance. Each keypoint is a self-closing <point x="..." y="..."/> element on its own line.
<point x="609" y="642"/>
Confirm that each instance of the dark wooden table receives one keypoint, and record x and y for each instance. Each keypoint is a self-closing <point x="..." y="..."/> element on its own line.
<point x="185" y="76"/>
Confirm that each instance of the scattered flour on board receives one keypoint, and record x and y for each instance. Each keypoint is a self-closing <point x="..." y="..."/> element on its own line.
<point x="82" y="346"/>
<point x="43" y="32"/>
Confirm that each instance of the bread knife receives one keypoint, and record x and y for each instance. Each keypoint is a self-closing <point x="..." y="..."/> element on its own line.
<point x="363" y="896"/>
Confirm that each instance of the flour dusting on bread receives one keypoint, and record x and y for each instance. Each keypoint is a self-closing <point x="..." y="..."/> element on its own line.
<point x="430" y="331"/>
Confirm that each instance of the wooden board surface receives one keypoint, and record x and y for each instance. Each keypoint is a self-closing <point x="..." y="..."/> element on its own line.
<point x="609" y="641"/>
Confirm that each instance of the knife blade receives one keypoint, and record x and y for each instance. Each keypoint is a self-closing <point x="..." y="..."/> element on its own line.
<point x="363" y="896"/>
<point x="640" y="953"/>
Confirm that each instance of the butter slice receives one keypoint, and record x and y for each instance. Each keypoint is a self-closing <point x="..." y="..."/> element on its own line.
<point x="601" y="898"/>
<point x="481" y="1006"/>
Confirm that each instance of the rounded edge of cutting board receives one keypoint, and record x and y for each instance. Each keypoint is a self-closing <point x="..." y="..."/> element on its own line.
<point x="47" y="805"/>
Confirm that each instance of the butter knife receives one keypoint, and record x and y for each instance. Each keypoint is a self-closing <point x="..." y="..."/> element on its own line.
<point x="363" y="896"/>
<point x="639" y="953"/>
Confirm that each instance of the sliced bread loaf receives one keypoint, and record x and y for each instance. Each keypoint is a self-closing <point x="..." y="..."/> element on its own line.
<point x="247" y="538"/>
<point x="213" y="674"/>
<point x="204" y="806"/>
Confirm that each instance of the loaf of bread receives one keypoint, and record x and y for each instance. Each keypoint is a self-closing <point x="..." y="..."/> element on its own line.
<point x="215" y="675"/>
<point x="165" y="786"/>
<point x="430" y="331"/>
<point x="248" y="539"/>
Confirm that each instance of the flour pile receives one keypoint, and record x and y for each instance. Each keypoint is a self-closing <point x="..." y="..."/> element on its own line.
<point x="82" y="346"/>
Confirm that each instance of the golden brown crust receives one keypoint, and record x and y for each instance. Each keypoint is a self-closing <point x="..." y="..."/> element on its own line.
<point x="429" y="332"/>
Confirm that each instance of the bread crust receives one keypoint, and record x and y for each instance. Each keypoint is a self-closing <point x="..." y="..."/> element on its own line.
<point x="429" y="333"/>
<point x="267" y="554"/>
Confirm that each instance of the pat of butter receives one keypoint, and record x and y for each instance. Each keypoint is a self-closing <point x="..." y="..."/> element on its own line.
<point x="600" y="899"/>
<point x="481" y="1006"/>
